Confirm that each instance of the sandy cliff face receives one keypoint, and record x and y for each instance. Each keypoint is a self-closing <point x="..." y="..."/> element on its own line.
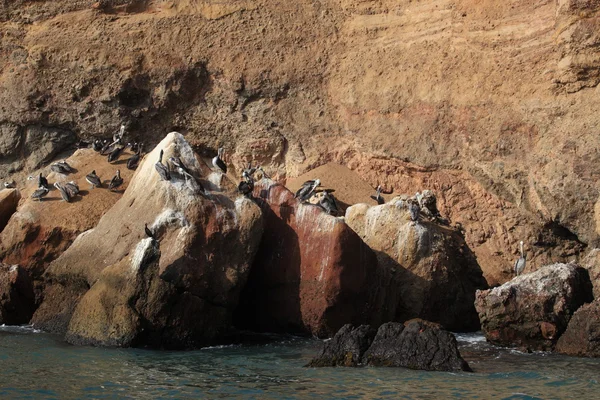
<point x="490" y="104"/>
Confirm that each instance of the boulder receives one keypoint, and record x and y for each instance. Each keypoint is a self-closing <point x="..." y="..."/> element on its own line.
<point x="346" y="348"/>
<point x="417" y="344"/>
<point x="175" y="291"/>
<point x="43" y="143"/>
<point x="16" y="295"/>
<point x="9" y="199"/>
<point x="39" y="231"/>
<point x="533" y="310"/>
<point x="582" y="337"/>
<point x="592" y="263"/>
<point x="433" y="274"/>
<point x="312" y="272"/>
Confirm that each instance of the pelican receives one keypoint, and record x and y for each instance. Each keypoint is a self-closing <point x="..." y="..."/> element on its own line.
<point x="520" y="263"/>
<point x="64" y="193"/>
<point x="246" y="186"/>
<point x="149" y="233"/>
<point x="378" y="197"/>
<point x="218" y="161"/>
<point x="72" y="188"/>
<point x="10" y="185"/>
<point x="134" y="160"/>
<point x="40" y="193"/>
<point x="179" y="165"/>
<point x="328" y="203"/>
<point x="115" y="153"/>
<point x="162" y="169"/>
<point x="414" y="210"/>
<point x="42" y="182"/>
<point x="93" y="179"/>
<point x="119" y="136"/>
<point x="97" y="145"/>
<point x="307" y="189"/>
<point x="116" y="181"/>
<point x="62" y="167"/>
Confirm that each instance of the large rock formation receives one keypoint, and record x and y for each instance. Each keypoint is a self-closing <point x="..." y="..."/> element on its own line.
<point x="417" y="344"/>
<point x="432" y="273"/>
<point x="592" y="264"/>
<point x="582" y="337"/>
<point x="312" y="272"/>
<point x="533" y="310"/>
<point x="9" y="199"/>
<point x="17" y="302"/>
<point x="176" y="291"/>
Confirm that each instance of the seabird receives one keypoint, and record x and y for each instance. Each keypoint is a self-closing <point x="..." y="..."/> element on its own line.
<point x="72" y="188"/>
<point x="179" y="165"/>
<point x="328" y="203"/>
<point x="116" y="181"/>
<point x="107" y="147"/>
<point x="520" y="263"/>
<point x="218" y="161"/>
<point x="62" y="167"/>
<point x="93" y="179"/>
<point x="246" y="186"/>
<point x="134" y="146"/>
<point x="97" y="145"/>
<point x="42" y="182"/>
<point x="249" y="171"/>
<point x="307" y="189"/>
<point x="115" y="153"/>
<point x="414" y="210"/>
<point x="119" y="135"/>
<point x="162" y="169"/>
<point x="149" y="233"/>
<point x="10" y="185"/>
<point x="134" y="160"/>
<point x="378" y="197"/>
<point x="40" y="193"/>
<point x="66" y="196"/>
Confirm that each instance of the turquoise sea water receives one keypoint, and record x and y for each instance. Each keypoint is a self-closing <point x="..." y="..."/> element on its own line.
<point x="37" y="366"/>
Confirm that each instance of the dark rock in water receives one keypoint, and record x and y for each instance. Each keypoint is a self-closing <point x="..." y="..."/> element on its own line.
<point x="346" y="348"/>
<point x="417" y="344"/>
<point x="533" y="310"/>
<point x="17" y="302"/>
<point x="582" y="337"/>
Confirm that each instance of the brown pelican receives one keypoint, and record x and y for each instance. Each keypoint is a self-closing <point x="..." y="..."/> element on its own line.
<point x="116" y="181"/>
<point x="162" y="169"/>
<point x="62" y="167"/>
<point x="115" y="153"/>
<point x="40" y="193"/>
<point x="378" y="197"/>
<point x="66" y="196"/>
<point x="520" y="263"/>
<point x="307" y="189"/>
<point x="72" y="188"/>
<point x="218" y="161"/>
<point x="179" y="165"/>
<point x="328" y="203"/>
<point x="246" y="186"/>
<point x="93" y="179"/>
<point x="414" y="209"/>
<point x="134" y="160"/>
<point x="97" y="145"/>
<point x="43" y="182"/>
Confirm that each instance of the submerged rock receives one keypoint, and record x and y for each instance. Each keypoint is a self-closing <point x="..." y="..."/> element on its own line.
<point x="177" y="291"/>
<point x="533" y="310"/>
<point x="431" y="272"/>
<point x="17" y="301"/>
<point x="9" y="199"/>
<point x="346" y="348"/>
<point x="312" y="273"/>
<point x="582" y="337"/>
<point x="417" y="344"/>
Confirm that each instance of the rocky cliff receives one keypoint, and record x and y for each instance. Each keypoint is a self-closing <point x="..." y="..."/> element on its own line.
<point x="490" y="104"/>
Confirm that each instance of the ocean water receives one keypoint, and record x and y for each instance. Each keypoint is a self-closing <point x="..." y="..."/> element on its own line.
<point x="36" y="365"/>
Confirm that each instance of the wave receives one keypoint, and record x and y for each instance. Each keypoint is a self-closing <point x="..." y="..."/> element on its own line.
<point x="23" y="329"/>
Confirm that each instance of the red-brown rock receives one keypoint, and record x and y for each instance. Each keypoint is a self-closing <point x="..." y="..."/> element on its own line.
<point x="312" y="273"/>
<point x="533" y="310"/>
<point x="9" y="199"/>
<point x="16" y="295"/>
<point x="582" y="337"/>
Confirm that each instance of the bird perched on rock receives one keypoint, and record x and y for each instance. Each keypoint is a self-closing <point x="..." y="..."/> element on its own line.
<point x="134" y="160"/>
<point x="307" y="189"/>
<point x="246" y="186"/>
<point x="149" y="233"/>
<point x="66" y="196"/>
<point x="116" y="181"/>
<point x="115" y="153"/>
<point x="162" y="169"/>
<point x="179" y="165"/>
<point x="10" y="184"/>
<point x="61" y="167"/>
<point x="218" y="161"/>
<point x="93" y="179"/>
<point x="328" y="203"/>
<point x="378" y="197"/>
<point x="40" y="193"/>
<point x="43" y="182"/>
<point x="97" y="145"/>
<point x="72" y="188"/>
<point x="521" y="261"/>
